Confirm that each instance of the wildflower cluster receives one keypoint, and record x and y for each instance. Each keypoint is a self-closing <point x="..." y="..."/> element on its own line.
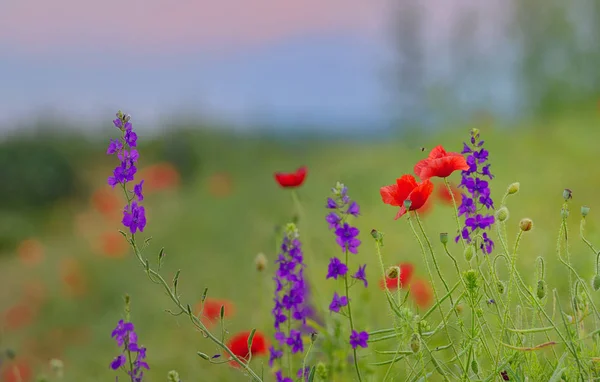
<point x="478" y="194"/>
<point x="290" y="292"/>
<point x="347" y="239"/>
<point x="134" y="215"/>
<point x="127" y="339"/>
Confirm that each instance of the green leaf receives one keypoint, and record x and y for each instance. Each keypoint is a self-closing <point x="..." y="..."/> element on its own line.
<point x="251" y="338"/>
<point x="311" y="375"/>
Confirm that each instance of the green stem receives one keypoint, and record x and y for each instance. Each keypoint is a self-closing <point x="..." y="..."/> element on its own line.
<point x="350" y="319"/>
<point x="458" y="225"/>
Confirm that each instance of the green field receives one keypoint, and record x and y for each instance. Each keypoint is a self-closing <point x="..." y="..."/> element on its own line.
<point x="214" y="239"/>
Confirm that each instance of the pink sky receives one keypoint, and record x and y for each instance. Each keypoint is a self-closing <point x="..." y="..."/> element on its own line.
<point x="155" y="25"/>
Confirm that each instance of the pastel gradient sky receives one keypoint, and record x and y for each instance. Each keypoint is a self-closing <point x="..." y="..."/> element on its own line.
<point x="314" y="61"/>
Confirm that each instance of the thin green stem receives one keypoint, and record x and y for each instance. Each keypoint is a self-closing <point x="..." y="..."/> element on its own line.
<point x="350" y="319"/>
<point x="455" y="210"/>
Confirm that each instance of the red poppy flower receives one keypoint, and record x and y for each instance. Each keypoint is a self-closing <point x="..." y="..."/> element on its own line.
<point x="291" y="179"/>
<point x="421" y="292"/>
<point x="406" y="188"/>
<point x="72" y="276"/>
<point x="211" y="312"/>
<point x="17" y="370"/>
<point x="238" y="345"/>
<point x="406" y="271"/>
<point x="106" y="201"/>
<point x="19" y="315"/>
<point x="111" y="244"/>
<point x="31" y="252"/>
<point x="160" y="176"/>
<point x="440" y="163"/>
<point x="445" y="196"/>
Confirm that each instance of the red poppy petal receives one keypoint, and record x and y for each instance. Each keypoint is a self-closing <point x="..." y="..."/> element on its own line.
<point x="389" y="195"/>
<point x="406" y="183"/>
<point x="437" y="152"/>
<point x="420" y="167"/>
<point x="420" y="195"/>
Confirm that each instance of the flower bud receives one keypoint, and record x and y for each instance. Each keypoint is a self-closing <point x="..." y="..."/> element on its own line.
<point x="173" y="376"/>
<point x="585" y="210"/>
<point x="392" y="272"/>
<point x="500" y="287"/>
<point x="407" y="204"/>
<point x="526" y="224"/>
<point x="541" y="289"/>
<point x="567" y="194"/>
<point x="444" y="237"/>
<point x="313" y="337"/>
<point x="469" y="253"/>
<point x="261" y="262"/>
<point x="513" y="188"/>
<point x="502" y="214"/>
<point x="415" y="343"/>
<point x="596" y="282"/>
<point x="378" y="236"/>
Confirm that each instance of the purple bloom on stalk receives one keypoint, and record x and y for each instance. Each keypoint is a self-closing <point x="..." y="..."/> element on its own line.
<point x="131" y="138"/>
<point x="479" y="221"/>
<point x="274" y="354"/>
<point x="127" y="338"/>
<point x="281" y="378"/>
<point x="353" y="209"/>
<point x="361" y="275"/>
<point x="137" y="190"/>
<point x="303" y="374"/>
<point x="336" y="268"/>
<point x="295" y="341"/>
<point x="338" y="302"/>
<point x="359" y="339"/>
<point x="331" y="204"/>
<point x="346" y="238"/>
<point x="333" y="219"/>
<point x="134" y="217"/>
<point x="118" y="362"/>
<point x="114" y="146"/>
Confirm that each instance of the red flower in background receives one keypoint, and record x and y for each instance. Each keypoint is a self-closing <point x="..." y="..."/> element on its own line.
<point x="406" y="271"/>
<point x="17" y="370"/>
<point x="292" y="179"/>
<point x="19" y="315"/>
<point x="220" y="185"/>
<point x="212" y="309"/>
<point x="105" y="201"/>
<point x="112" y="244"/>
<point x="72" y="277"/>
<point x="440" y="164"/>
<point x="239" y="345"/>
<point x="445" y="196"/>
<point x="406" y="188"/>
<point x="421" y="292"/>
<point x="30" y="252"/>
<point x="160" y="176"/>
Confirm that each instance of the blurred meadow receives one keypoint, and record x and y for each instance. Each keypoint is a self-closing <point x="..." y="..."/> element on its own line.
<point x="211" y="198"/>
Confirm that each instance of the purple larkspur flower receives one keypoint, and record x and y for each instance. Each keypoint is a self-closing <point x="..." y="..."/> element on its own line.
<point x="359" y="339"/>
<point x="294" y="341"/>
<point x="336" y="268"/>
<point x="477" y="196"/>
<point x="346" y="238"/>
<point x="361" y="275"/>
<point x="127" y="338"/>
<point x="338" y="302"/>
<point x="281" y="378"/>
<point x="137" y="190"/>
<point x="114" y="146"/>
<point x="333" y="219"/>
<point x="331" y="204"/>
<point x="131" y="138"/>
<point x="303" y="374"/>
<point x="353" y="209"/>
<point x="134" y="217"/>
<point x="274" y="354"/>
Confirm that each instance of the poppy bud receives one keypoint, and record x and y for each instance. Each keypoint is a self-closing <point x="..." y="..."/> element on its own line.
<point x="468" y="253"/>
<point x="459" y="308"/>
<point x="500" y="287"/>
<point x="585" y="210"/>
<point x="261" y="262"/>
<point x="513" y="188"/>
<point x="173" y="376"/>
<point x="541" y="289"/>
<point x="502" y="214"/>
<point x="313" y="337"/>
<point x="526" y="224"/>
<point x="596" y="282"/>
<point x="392" y="272"/>
<point x="378" y="236"/>
<point x="567" y="194"/>
<point x="444" y="237"/>
<point x="407" y="204"/>
<point x="415" y="343"/>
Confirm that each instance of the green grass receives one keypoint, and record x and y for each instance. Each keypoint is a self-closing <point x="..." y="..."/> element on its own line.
<point x="214" y="241"/>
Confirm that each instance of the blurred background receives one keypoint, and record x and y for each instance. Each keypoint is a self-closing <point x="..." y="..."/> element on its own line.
<point x="222" y="95"/>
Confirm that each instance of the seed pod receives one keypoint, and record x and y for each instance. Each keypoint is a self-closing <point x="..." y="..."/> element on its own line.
<point x="444" y="237"/>
<point x="468" y="253"/>
<point x="567" y="194"/>
<point x="392" y="272"/>
<point x="474" y="366"/>
<point x="585" y="210"/>
<point x="541" y="289"/>
<point x="261" y="262"/>
<point x="415" y="343"/>
<point x="502" y="214"/>
<point x="514" y="188"/>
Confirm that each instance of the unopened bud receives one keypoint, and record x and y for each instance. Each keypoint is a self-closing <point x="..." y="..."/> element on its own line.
<point x="514" y="188"/>
<point x="567" y="194"/>
<point x="173" y="376"/>
<point x="541" y="289"/>
<point x="471" y="281"/>
<point x="444" y="237"/>
<point x="57" y="367"/>
<point x="378" y="236"/>
<point x="313" y="337"/>
<point x="392" y="272"/>
<point x="261" y="262"/>
<point x="596" y="282"/>
<point x="585" y="210"/>
<point x="469" y="253"/>
<point x="415" y="343"/>
<point x="459" y="308"/>
<point x="502" y="214"/>
<point x="526" y="224"/>
<point x="407" y="204"/>
<point x="500" y="287"/>
<point x="126" y="118"/>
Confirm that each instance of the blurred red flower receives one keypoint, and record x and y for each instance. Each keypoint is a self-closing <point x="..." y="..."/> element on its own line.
<point x="211" y="312"/>
<point x="17" y="370"/>
<point x="112" y="244"/>
<point x="160" y="176"/>
<point x="406" y="271"/>
<point x="440" y="164"/>
<point x="31" y="252"/>
<point x="220" y="185"/>
<point x="292" y="179"/>
<point x="106" y="201"/>
<point x="406" y="188"/>
<point x="422" y="293"/>
<point x="71" y="273"/>
<point x="445" y="196"/>
<point x="239" y="345"/>
<point x="19" y="315"/>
